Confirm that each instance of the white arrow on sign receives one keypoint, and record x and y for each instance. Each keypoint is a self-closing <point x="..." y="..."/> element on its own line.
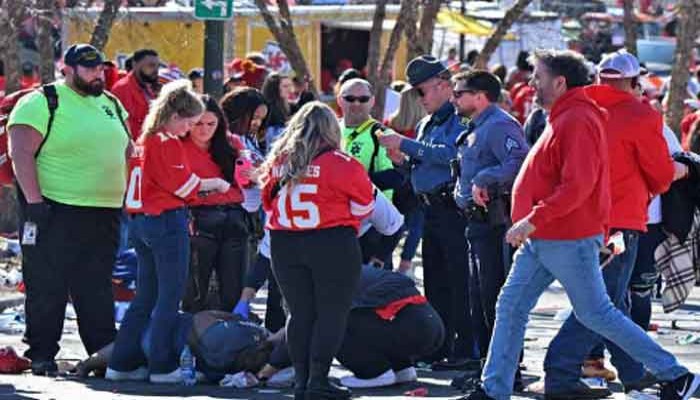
<point x="211" y="4"/>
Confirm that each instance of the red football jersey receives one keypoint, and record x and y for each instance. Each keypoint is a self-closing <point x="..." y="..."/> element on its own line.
<point x="161" y="179"/>
<point x="204" y="166"/>
<point x="523" y="100"/>
<point x="336" y="191"/>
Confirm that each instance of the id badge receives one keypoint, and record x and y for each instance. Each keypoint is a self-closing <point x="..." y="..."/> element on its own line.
<point x="29" y="234"/>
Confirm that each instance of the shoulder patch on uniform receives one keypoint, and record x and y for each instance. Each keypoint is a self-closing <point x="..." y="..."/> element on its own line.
<point x="464" y="121"/>
<point x="511" y="144"/>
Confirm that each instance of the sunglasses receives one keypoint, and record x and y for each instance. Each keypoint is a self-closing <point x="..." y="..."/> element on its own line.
<point x="458" y="93"/>
<point x="352" y="99"/>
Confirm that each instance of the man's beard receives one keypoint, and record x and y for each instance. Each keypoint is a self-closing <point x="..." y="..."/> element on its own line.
<point x="466" y="112"/>
<point x="148" y="78"/>
<point x="94" y="88"/>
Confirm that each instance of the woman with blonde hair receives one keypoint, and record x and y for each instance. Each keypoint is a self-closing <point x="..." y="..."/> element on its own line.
<point x="315" y="197"/>
<point x="160" y="183"/>
<point x="406" y="117"/>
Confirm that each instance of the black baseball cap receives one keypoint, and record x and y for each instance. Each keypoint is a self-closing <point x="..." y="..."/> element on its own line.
<point x="84" y="55"/>
<point x="422" y="68"/>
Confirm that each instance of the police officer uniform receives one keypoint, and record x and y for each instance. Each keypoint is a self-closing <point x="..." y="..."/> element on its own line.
<point x="445" y="264"/>
<point x="490" y="153"/>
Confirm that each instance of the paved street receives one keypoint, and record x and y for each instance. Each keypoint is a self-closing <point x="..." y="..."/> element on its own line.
<point x="542" y="327"/>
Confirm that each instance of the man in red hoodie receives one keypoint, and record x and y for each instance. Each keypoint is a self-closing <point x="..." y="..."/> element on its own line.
<point x="561" y="203"/>
<point x="138" y="88"/>
<point x="640" y="168"/>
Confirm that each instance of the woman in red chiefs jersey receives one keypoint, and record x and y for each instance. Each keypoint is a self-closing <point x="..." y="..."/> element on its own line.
<point x="220" y="226"/>
<point x="158" y="191"/>
<point x="315" y="197"/>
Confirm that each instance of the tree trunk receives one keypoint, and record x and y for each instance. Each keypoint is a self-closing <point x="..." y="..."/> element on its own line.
<point x="375" y="42"/>
<point x="285" y="36"/>
<point x="100" y="35"/>
<point x="427" y="26"/>
<point x="13" y="12"/>
<point x="384" y="76"/>
<point x="630" y="23"/>
<point x="688" y="26"/>
<point x="512" y="15"/>
<point x="45" y="14"/>
<point x="413" y="49"/>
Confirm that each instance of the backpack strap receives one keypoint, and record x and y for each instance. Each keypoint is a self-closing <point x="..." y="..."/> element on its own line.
<point x="375" y="140"/>
<point x="120" y="115"/>
<point x="49" y="92"/>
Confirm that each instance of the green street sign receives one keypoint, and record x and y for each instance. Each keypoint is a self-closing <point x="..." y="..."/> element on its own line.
<point x="213" y="9"/>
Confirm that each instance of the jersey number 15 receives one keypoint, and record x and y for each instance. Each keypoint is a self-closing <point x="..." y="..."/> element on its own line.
<point x="312" y="218"/>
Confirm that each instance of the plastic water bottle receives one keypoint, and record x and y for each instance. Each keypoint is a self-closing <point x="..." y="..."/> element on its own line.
<point x="188" y="363"/>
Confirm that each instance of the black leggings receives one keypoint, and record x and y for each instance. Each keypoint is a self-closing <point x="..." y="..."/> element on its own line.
<point x="373" y="345"/>
<point x="317" y="272"/>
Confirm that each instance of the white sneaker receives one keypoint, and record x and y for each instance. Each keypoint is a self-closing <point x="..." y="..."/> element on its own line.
<point x="406" y="375"/>
<point x="637" y="395"/>
<point x="172" y="377"/>
<point x="139" y="374"/>
<point x="386" y="379"/>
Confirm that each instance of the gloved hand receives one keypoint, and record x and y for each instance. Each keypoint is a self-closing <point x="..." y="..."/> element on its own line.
<point x="37" y="213"/>
<point x="242" y="309"/>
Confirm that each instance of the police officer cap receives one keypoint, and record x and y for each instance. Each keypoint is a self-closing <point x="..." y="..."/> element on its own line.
<point x="422" y="68"/>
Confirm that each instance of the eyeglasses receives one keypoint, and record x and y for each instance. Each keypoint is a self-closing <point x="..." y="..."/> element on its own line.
<point x="458" y="93"/>
<point x="361" y="99"/>
<point x="422" y="92"/>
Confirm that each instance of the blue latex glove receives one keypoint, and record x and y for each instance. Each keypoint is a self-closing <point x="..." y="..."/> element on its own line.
<point x="242" y="309"/>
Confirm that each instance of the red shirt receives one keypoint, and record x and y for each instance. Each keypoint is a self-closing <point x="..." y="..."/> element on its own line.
<point x="686" y="125"/>
<point x="135" y="99"/>
<point x="640" y="166"/>
<point x="523" y="97"/>
<point x="162" y="178"/>
<point x="204" y="166"/>
<point x="563" y="186"/>
<point x="336" y="191"/>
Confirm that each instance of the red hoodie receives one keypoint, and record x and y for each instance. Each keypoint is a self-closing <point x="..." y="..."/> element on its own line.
<point x="563" y="187"/>
<point x="135" y="100"/>
<point x="640" y="166"/>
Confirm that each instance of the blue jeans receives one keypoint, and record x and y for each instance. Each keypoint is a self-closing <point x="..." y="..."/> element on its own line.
<point x="162" y="244"/>
<point x="574" y="341"/>
<point x="414" y="227"/>
<point x="575" y="264"/>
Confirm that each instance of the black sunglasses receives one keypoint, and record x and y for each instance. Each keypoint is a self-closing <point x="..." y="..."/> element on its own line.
<point x="458" y="93"/>
<point x="352" y="99"/>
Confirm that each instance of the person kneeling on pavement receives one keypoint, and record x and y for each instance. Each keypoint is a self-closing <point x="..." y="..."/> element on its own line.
<point x="390" y="326"/>
<point x="222" y="343"/>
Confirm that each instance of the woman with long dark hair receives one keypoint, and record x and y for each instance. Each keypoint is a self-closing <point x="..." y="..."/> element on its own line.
<point x="277" y="91"/>
<point x="161" y="183"/>
<point x="220" y="225"/>
<point x="315" y="197"/>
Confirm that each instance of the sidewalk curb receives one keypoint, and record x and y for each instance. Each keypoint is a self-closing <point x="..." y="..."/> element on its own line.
<point x="11" y="301"/>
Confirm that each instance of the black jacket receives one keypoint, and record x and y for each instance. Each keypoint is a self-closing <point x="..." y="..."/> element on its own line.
<point x="379" y="287"/>
<point x="679" y="203"/>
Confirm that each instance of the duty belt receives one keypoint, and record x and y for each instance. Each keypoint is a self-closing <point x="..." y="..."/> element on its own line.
<point x="439" y="197"/>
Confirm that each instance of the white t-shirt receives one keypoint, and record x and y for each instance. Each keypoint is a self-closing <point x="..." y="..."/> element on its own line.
<point x="674" y="146"/>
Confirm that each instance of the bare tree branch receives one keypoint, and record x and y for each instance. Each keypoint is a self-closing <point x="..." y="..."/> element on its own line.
<point x="427" y="26"/>
<point x="411" y="31"/>
<point x="629" y="21"/>
<point x="283" y="32"/>
<point x="514" y="12"/>
<point x="14" y="12"/>
<point x="688" y="27"/>
<point x="100" y="35"/>
<point x="375" y="41"/>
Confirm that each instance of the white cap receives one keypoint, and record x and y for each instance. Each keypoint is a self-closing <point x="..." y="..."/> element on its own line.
<point x="620" y="65"/>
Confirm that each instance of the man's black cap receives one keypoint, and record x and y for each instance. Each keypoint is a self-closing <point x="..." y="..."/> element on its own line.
<point x="422" y="68"/>
<point x="84" y="55"/>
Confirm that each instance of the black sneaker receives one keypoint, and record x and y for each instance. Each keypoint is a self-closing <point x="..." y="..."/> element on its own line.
<point x="457" y="364"/>
<point x="45" y="368"/>
<point x="477" y="394"/>
<point x="578" y="391"/>
<point x="682" y="388"/>
<point x="647" y="381"/>
<point x="466" y="381"/>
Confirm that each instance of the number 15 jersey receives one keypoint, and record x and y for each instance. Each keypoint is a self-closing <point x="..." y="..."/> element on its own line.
<point x="336" y="191"/>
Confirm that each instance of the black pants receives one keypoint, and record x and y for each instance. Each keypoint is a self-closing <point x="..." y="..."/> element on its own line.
<point x="317" y="272"/>
<point x="73" y="256"/>
<point x="373" y="345"/>
<point x="222" y="246"/>
<point x="487" y="261"/>
<point x="446" y="274"/>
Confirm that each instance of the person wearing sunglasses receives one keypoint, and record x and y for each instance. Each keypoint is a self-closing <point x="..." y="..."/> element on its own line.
<point x="491" y="152"/>
<point x="445" y="261"/>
